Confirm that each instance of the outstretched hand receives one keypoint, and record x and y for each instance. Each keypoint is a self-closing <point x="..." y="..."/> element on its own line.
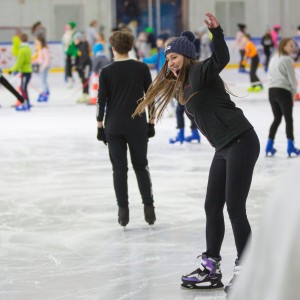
<point x="212" y="21"/>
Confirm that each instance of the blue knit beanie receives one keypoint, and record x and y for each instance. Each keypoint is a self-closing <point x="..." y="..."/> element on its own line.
<point x="183" y="45"/>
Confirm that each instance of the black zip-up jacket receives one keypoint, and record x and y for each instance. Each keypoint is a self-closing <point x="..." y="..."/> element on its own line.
<point x="210" y="107"/>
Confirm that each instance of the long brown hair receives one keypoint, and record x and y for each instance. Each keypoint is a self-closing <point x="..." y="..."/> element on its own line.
<point x="282" y="44"/>
<point x="164" y="88"/>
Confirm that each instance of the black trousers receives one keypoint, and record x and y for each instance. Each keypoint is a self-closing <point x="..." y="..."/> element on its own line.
<point x="242" y="54"/>
<point x="180" y="117"/>
<point x="25" y="78"/>
<point x="84" y="74"/>
<point x="229" y="182"/>
<point x="281" y="101"/>
<point x="137" y="143"/>
<point x="68" y="66"/>
<point x="253" y="68"/>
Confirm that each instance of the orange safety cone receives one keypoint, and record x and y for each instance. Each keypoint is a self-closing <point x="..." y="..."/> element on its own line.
<point x="94" y="89"/>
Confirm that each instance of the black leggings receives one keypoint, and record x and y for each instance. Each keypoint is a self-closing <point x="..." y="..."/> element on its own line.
<point x="253" y="68"/>
<point x="242" y="54"/>
<point x="25" y="78"/>
<point x="138" y="146"/>
<point x="281" y="101"/>
<point x="84" y="75"/>
<point x="229" y="182"/>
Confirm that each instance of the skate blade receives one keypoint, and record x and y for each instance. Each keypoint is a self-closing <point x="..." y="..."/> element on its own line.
<point x="202" y="287"/>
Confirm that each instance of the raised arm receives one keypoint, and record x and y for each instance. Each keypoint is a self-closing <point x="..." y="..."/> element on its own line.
<point x="210" y="68"/>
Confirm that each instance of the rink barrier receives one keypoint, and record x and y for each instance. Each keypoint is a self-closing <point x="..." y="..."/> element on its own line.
<point x="7" y="60"/>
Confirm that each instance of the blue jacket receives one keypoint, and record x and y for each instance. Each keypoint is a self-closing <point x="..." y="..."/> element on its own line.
<point x="158" y="59"/>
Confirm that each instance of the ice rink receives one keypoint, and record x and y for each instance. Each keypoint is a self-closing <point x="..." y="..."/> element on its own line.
<point x="60" y="238"/>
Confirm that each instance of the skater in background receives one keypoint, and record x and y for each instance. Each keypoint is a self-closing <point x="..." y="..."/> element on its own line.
<point x="102" y="42"/>
<point x="83" y="65"/>
<point x="99" y="59"/>
<point x="23" y="66"/>
<point x="9" y="87"/>
<point x="241" y="44"/>
<point x="92" y="34"/>
<point x="275" y="35"/>
<point x="298" y="45"/>
<point x="142" y="45"/>
<point x="121" y="85"/>
<point x="180" y="122"/>
<point x="267" y="44"/>
<point x="38" y="30"/>
<point x="199" y="86"/>
<point x="180" y="137"/>
<point x="70" y="51"/>
<point x="252" y="54"/>
<point x="16" y="43"/>
<point x="282" y="89"/>
<point x="43" y="60"/>
<point x="205" y="43"/>
<point x="158" y="59"/>
<point x="277" y="244"/>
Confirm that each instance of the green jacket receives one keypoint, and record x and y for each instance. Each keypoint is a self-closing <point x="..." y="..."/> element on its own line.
<point x="23" y="63"/>
<point x="72" y="49"/>
<point x="16" y="43"/>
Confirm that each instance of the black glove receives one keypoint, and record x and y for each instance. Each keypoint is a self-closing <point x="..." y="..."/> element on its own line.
<point x="151" y="130"/>
<point x="101" y="135"/>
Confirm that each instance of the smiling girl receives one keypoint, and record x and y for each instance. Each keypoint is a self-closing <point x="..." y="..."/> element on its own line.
<point x="199" y="87"/>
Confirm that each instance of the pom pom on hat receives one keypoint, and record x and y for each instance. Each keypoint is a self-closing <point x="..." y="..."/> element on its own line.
<point x="72" y="24"/>
<point x="183" y="45"/>
<point x="189" y="35"/>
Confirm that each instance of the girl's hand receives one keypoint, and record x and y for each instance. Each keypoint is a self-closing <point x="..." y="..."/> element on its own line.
<point x="212" y="21"/>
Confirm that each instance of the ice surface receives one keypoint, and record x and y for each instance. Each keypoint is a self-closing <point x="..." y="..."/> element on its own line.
<point x="58" y="216"/>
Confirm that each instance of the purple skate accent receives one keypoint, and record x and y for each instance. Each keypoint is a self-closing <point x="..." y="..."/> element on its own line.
<point x="192" y="279"/>
<point x="208" y="264"/>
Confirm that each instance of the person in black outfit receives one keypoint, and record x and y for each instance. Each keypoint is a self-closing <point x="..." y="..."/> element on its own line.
<point x="200" y="88"/>
<point x="121" y="85"/>
<point x="83" y="65"/>
<point x="267" y="44"/>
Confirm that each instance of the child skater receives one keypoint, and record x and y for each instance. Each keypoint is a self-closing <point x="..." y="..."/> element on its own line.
<point x="43" y="60"/>
<point x="121" y="85"/>
<point x="282" y="89"/>
<point x="23" y="65"/>
<point x="251" y="53"/>
<point x="83" y="65"/>
<point x="229" y="132"/>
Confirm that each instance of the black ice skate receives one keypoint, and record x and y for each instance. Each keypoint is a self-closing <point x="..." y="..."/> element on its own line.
<point x="208" y="276"/>
<point x="236" y="271"/>
<point x="123" y="216"/>
<point x="149" y="213"/>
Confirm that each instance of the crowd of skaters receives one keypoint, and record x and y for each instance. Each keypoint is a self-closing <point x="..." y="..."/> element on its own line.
<point x="88" y="52"/>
